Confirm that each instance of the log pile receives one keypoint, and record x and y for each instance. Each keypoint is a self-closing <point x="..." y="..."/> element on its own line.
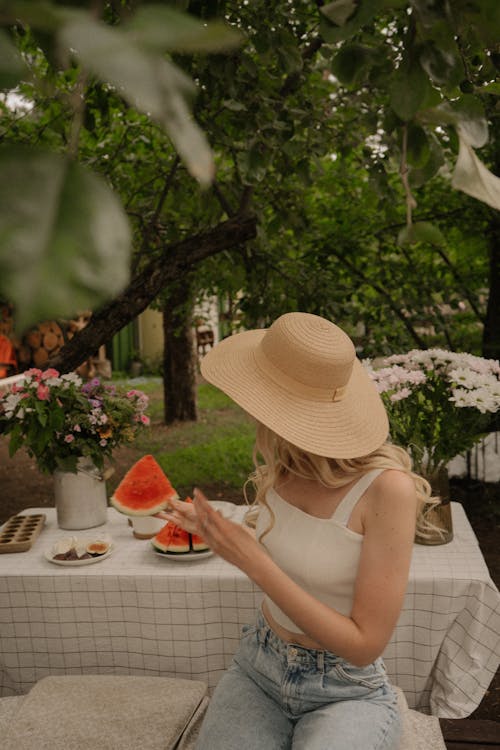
<point x="44" y="340"/>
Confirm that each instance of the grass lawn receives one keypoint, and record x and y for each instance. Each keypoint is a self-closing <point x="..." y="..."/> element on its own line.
<point x="215" y="450"/>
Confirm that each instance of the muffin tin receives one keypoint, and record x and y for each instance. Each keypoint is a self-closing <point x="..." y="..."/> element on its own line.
<point x="19" y="532"/>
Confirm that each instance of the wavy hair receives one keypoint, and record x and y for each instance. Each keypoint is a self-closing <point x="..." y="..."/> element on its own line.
<point x="281" y="458"/>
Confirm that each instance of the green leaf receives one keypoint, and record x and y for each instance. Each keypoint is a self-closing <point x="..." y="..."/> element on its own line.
<point x="410" y="87"/>
<point x="421" y="231"/>
<point x="366" y="10"/>
<point x="233" y="105"/>
<point x="351" y="63"/>
<point x="490" y="88"/>
<point x="64" y="237"/>
<point x="148" y="82"/>
<point x="160" y="28"/>
<point x="40" y="15"/>
<point x="442" y="64"/>
<point x="15" y="440"/>
<point x="12" y="66"/>
<point x="418" y="149"/>
<point x="420" y="175"/>
<point x="40" y="410"/>
<point x="339" y="11"/>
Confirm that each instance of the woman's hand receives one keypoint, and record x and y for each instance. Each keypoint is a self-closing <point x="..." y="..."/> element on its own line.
<point x="232" y="541"/>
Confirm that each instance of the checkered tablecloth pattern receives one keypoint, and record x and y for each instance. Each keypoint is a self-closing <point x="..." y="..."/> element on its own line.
<point x="136" y="613"/>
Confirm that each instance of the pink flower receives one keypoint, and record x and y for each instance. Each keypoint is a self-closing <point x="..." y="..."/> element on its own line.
<point x="34" y="373"/>
<point x="43" y="392"/>
<point x="50" y="373"/>
<point x="103" y="442"/>
<point x="144" y="419"/>
<point x="69" y="438"/>
<point x="77" y="428"/>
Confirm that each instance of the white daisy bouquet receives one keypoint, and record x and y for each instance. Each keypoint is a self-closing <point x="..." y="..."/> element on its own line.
<point x="440" y="403"/>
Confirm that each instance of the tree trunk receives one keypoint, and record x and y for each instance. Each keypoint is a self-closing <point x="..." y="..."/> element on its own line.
<point x="491" y="331"/>
<point x="179" y="360"/>
<point x="174" y="263"/>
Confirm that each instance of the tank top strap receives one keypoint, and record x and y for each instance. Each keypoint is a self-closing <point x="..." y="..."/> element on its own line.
<point x="346" y="506"/>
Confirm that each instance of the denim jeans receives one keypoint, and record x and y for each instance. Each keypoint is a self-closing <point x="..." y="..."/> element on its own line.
<point x="281" y="696"/>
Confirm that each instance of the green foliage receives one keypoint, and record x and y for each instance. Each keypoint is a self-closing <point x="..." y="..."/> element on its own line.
<point x="69" y="226"/>
<point x="88" y="242"/>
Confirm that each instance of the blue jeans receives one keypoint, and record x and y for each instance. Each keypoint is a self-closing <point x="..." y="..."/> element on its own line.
<point x="281" y="696"/>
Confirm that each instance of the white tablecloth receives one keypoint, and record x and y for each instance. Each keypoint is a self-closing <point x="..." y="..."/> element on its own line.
<point x="135" y="613"/>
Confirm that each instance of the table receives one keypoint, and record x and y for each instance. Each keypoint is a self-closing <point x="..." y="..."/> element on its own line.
<point x="135" y="613"/>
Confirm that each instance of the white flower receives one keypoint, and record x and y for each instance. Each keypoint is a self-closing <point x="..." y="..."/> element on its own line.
<point x="52" y="381"/>
<point x="72" y="377"/>
<point x="401" y="394"/>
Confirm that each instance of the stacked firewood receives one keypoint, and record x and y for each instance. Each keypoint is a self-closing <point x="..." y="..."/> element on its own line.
<point x="45" y="339"/>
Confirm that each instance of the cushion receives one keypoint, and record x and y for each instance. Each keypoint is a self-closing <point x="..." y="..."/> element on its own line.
<point x="86" y="712"/>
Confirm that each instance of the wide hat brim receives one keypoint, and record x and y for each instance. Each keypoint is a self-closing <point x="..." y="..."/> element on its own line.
<point x="351" y="427"/>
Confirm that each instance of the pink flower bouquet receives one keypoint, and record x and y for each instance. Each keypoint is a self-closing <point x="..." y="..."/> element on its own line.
<point x="59" y="419"/>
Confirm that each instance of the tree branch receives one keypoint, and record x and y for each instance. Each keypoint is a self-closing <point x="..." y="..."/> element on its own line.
<point x="175" y="262"/>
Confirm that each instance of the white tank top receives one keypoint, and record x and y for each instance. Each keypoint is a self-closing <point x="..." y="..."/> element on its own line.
<point x="320" y="554"/>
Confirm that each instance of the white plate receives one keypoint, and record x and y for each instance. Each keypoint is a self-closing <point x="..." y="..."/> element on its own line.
<point x="76" y="563"/>
<point x="184" y="557"/>
<point x="227" y="509"/>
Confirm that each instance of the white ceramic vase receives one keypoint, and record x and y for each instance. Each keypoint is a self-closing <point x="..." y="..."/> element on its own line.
<point x="80" y="499"/>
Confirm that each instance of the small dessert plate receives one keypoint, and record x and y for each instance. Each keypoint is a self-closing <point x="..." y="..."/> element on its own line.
<point x="49" y="555"/>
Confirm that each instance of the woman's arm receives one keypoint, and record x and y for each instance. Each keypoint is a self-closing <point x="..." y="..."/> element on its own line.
<point x="381" y="580"/>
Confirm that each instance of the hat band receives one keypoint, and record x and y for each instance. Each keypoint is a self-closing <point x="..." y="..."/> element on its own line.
<point x="286" y="383"/>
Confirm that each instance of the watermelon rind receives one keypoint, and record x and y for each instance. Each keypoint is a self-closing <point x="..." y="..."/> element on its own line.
<point x="144" y="490"/>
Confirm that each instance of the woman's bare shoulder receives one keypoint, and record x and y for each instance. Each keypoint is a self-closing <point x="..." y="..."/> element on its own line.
<point x="391" y="488"/>
<point x="394" y="480"/>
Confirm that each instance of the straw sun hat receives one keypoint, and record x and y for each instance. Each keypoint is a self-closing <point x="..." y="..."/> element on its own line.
<point x="301" y="378"/>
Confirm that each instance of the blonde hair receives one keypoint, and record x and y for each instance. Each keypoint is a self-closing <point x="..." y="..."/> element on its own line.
<point x="282" y="458"/>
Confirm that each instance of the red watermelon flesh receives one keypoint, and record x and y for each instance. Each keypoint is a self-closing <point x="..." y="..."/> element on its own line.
<point x="175" y="541"/>
<point x="144" y="490"/>
<point x="172" y="539"/>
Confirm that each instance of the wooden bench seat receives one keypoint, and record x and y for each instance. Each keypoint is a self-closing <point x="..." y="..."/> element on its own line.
<point x="470" y="734"/>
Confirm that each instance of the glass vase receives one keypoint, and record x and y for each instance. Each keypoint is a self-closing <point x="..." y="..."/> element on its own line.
<point x="438" y="515"/>
<point x="80" y="499"/>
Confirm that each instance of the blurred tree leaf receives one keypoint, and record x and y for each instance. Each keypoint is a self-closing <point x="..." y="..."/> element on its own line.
<point x="65" y="239"/>
<point x="153" y="85"/>
<point x="12" y="66"/>
<point x="474" y="178"/>
<point x="162" y="28"/>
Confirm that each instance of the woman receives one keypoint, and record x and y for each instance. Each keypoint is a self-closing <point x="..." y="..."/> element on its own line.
<point x="335" y="514"/>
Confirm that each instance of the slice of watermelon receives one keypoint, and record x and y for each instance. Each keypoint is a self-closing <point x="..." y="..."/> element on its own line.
<point x="163" y="537"/>
<point x="144" y="490"/>
<point x="198" y="544"/>
<point x="172" y="539"/>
